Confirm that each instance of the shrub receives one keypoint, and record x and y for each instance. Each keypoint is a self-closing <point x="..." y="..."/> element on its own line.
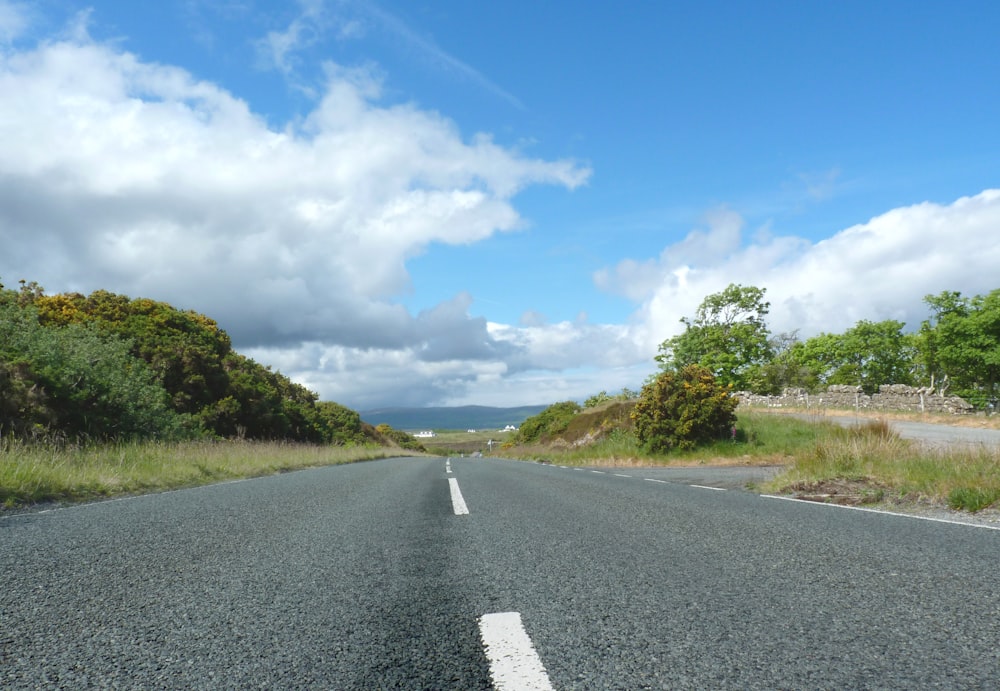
<point x="681" y="409"/>
<point x="549" y="422"/>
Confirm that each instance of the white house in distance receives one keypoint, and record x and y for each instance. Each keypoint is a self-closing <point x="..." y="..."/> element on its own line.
<point x="425" y="434"/>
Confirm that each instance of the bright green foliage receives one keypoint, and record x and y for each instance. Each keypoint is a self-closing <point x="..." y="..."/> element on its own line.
<point x="108" y="366"/>
<point x="77" y="381"/>
<point x="728" y="336"/>
<point x="682" y="409"/>
<point x="549" y="422"/>
<point x="868" y="355"/>
<point x="960" y="345"/>
<point x="185" y="349"/>
<point x="345" y="425"/>
<point x="784" y="369"/>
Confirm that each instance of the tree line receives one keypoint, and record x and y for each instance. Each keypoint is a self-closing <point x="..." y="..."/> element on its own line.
<point x="956" y="350"/>
<point x="106" y="366"/>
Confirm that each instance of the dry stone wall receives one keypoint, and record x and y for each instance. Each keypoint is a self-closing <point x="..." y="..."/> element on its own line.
<point x="890" y="397"/>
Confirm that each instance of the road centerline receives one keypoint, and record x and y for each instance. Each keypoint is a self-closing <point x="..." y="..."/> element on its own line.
<point x="514" y="662"/>
<point x="457" y="500"/>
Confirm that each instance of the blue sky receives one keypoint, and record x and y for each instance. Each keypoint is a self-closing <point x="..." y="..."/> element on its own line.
<point x="499" y="203"/>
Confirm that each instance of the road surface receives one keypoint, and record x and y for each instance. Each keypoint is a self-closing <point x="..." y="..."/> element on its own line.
<point x="369" y="576"/>
<point x="929" y="433"/>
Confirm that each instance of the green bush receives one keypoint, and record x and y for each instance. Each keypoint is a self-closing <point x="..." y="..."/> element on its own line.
<point x="682" y="409"/>
<point x="549" y="422"/>
<point x="77" y="381"/>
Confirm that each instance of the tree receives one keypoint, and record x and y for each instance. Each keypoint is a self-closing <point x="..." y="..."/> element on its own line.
<point x="681" y="409"/>
<point x="960" y="343"/>
<point x="868" y="355"/>
<point x="728" y="336"/>
<point x="784" y="369"/>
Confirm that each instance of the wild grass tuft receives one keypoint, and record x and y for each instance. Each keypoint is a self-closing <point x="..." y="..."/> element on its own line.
<point x="966" y="477"/>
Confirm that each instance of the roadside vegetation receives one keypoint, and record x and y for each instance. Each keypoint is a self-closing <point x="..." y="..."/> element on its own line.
<point x="686" y="414"/>
<point x="34" y="473"/>
<point x="104" y="394"/>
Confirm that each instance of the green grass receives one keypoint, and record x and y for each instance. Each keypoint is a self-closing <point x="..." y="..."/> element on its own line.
<point x="35" y="473"/>
<point x="761" y="439"/>
<point x="872" y="455"/>
<point x="456" y="442"/>
<point x="868" y="461"/>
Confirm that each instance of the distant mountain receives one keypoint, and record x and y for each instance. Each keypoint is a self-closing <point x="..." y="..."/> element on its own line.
<point x="456" y="418"/>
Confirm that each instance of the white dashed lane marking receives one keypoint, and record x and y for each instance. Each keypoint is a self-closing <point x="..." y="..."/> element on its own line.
<point x="457" y="501"/>
<point x="514" y="663"/>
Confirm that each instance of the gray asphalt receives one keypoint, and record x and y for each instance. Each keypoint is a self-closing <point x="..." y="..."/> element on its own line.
<point x="929" y="433"/>
<point x="362" y="577"/>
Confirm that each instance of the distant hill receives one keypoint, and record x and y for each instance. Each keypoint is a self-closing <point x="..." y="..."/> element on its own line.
<point x="457" y="417"/>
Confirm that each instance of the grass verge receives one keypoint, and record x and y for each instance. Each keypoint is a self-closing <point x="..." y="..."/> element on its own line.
<point x="761" y="439"/>
<point x="37" y="473"/>
<point x="869" y="463"/>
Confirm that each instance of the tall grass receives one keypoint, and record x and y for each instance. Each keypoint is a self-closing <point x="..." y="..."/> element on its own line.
<point x="964" y="477"/>
<point x="870" y="457"/>
<point x="40" y="472"/>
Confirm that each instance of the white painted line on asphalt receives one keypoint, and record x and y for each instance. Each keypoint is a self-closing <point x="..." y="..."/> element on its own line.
<point x="447" y="466"/>
<point x="887" y="513"/>
<point x="599" y="472"/>
<point x="621" y="475"/>
<point x="514" y="663"/>
<point x="457" y="502"/>
<point x="717" y="489"/>
<point x="649" y="479"/>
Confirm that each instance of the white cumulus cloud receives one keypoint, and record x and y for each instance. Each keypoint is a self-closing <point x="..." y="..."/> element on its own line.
<point x="140" y="178"/>
<point x="881" y="269"/>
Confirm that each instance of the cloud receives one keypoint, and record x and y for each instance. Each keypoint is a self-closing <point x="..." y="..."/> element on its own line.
<point x="435" y="54"/>
<point x="877" y="270"/>
<point x="140" y="178"/>
<point x="14" y="21"/>
<point x="317" y="20"/>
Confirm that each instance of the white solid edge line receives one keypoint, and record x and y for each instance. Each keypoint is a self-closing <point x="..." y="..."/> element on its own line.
<point x="457" y="501"/>
<point x="514" y="663"/>
<point x="887" y="513"/>
<point x="717" y="489"/>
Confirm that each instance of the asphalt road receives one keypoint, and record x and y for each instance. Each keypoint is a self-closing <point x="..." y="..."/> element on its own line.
<point x="364" y="577"/>
<point x="925" y="432"/>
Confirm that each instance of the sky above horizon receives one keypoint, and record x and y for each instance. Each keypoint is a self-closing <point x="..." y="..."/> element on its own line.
<point x="451" y="203"/>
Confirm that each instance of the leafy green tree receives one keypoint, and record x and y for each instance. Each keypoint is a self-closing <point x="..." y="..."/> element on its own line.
<point x="960" y="344"/>
<point x="682" y="409"/>
<point x="728" y="336"/>
<point x="785" y="369"/>
<point x="868" y="355"/>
